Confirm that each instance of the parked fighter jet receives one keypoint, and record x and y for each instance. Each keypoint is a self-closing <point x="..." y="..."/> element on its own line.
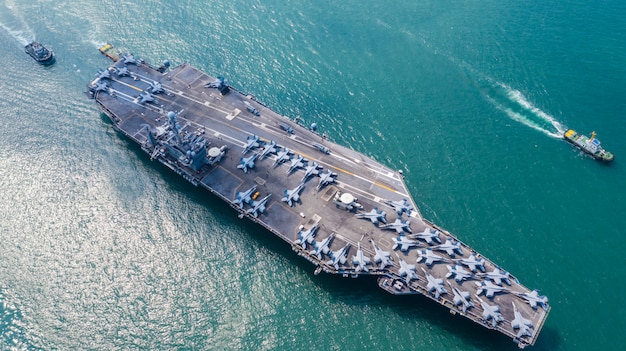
<point x="458" y="273"/>
<point x="100" y="86"/>
<point x="407" y="270"/>
<point x="322" y="247"/>
<point x="398" y="225"/>
<point x="286" y="128"/>
<point x="122" y="71"/>
<point x="313" y="169"/>
<point x="258" y="207"/>
<point x="282" y="157"/>
<point x="449" y="247"/>
<point x="461" y="298"/>
<point x="326" y="178"/>
<point x="360" y="261"/>
<point x="296" y="163"/>
<point x="144" y="97"/>
<point x="156" y="87"/>
<point x="306" y="236"/>
<point x="533" y="299"/>
<point x="489" y="289"/>
<point x="429" y="235"/>
<point x="401" y="206"/>
<point x="498" y="276"/>
<point x="104" y="74"/>
<point x="404" y="243"/>
<point x="321" y="148"/>
<point x="519" y="322"/>
<point x="244" y="197"/>
<point x="130" y="58"/>
<point x="429" y="257"/>
<point x="381" y="257"/>
<point x="374" y="215"/>
<point x="270" y="148"/>
<point x="251" y="143"/>
<point x="292" y="195"/>
<point x="338" y="257"/>
<point x="246" y="163"/>
<point x="218" y="83"/>
<point x="472" y="263"/>
<point x="490" y="312"/>
<point x="434" y="285"/>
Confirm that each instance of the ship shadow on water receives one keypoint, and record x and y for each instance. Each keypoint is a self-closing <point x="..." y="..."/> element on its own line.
<point x="361" y="291"/>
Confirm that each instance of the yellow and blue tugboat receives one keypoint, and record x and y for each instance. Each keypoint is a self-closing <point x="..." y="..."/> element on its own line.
<point x="40" y="53"/>
<point x="589" y="146"/>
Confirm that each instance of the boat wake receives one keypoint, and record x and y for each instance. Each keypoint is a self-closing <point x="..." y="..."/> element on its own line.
<point x="516" y="106"/>
<point x="14" y="24"/>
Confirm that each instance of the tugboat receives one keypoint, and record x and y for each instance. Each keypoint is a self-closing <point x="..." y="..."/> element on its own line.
<point x="40" y="53"/>
<point x="589" y="146"/>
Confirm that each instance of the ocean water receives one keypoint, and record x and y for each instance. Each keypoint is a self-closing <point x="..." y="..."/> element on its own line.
<point x="100" y="248"/>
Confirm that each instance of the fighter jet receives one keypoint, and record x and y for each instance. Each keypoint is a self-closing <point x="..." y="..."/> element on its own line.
<point x="435" y="285"/>
<point x="338" y="257"/>
<point x="399" y="226"/>
<point x="498" y="276"/>
<point x="519" y="322"/>
<point x="461" y="298"/>
<point x="449" y="247"/>
<point x="244" y="197"/>
<point x="472" y="263"/>
<point x="156" y="87"/>
<point x="282" y="157"/>
<point x="429" y="235"/>
<point x="321" y="148"/>
<point x="404" y="243"/>
<point x="104" y="74"/>
<point x="100" y="86"/>
<point x="251" y="142"/>
<point x="306" y="236"/>
<point x="401" y="206"/>
<point x="533" y="299"/>
<point x="122" y="71"/>
<point x="296" y="163"/>
<point x="326" y="178"/>
<point x="313" y="169"/>
<point x="489" y="289"/>
<point x="490" y="312"/>
<point x="429" y="257"/>
<point x="286" y="128"/>
<point x="130" y="58"/>
<point x="381" y="257"/>
<point x="360" y="261"/>
<point x="458" y="273"/>
<point x="144" y="97"/>
<point x="374" y="215"/>
<point x="218" y="83"/>
<point x="258" y="207"/>
<point x="293" y="194"/>
<point x="322" y="247"/>
<point x="270" y="148"/>
<point x="246" y="163"/>
<point x="407" y="270"/>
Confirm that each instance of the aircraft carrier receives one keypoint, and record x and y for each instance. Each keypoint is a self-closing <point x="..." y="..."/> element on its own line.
<point x="344" y="212"/>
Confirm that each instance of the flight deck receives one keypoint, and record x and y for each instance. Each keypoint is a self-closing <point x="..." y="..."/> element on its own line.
<point x="341" y="210"/>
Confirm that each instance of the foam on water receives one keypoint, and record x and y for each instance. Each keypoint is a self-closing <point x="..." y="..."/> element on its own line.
<point x="13" y="23"/>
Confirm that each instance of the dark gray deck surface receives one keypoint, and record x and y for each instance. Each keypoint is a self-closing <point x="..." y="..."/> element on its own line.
<point x="224" y="120"/>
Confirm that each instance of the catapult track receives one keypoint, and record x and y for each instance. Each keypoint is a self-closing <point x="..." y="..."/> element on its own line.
<point x="202" y="115"/>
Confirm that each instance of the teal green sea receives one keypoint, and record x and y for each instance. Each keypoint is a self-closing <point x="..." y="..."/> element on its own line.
<point x="102" y="249"/>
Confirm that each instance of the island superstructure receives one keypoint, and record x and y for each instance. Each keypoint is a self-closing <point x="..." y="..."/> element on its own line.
<point x="341" y="210"/>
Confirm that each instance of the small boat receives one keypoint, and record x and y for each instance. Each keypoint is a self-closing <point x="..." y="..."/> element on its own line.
<point x="589" y="146"/>
<point x="40" y="53"/>
<point x="109" y="51"/>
